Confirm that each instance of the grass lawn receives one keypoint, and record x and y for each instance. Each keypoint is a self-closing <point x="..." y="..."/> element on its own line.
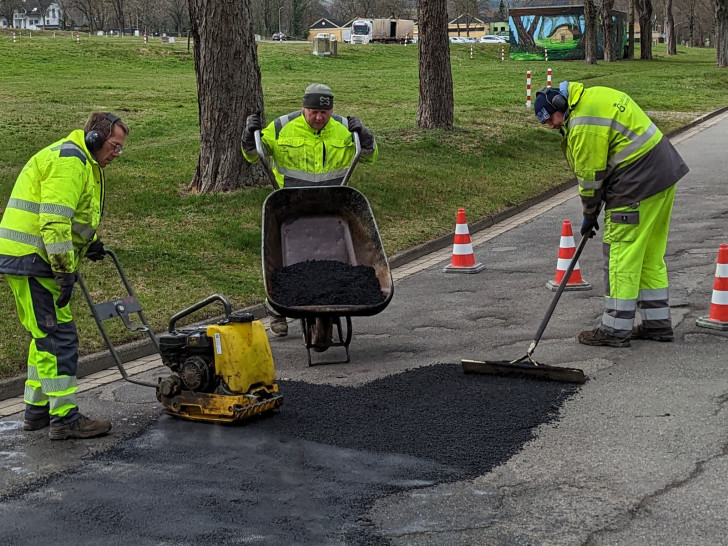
<point x="179" y="248"/>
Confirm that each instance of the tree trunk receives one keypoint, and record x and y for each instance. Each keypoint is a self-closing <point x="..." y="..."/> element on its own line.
<point x="608" y="26"/>
<point x="670" y="29"/>
<point x="590" y="32"/>
<point x="721" y="32"/>
<point x="644" y="15"/>
<point x="228" y="91"/>
<point x="435" y="110"/>
<point x="630" y="31"/>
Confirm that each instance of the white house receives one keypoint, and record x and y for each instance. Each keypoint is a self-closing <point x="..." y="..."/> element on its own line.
<point x="32" y="19"/>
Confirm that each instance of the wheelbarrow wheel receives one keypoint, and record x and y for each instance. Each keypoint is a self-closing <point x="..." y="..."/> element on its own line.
<point x="322" y="334"/>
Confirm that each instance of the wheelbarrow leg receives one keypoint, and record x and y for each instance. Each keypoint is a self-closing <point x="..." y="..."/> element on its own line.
<point x="344" y="338"/>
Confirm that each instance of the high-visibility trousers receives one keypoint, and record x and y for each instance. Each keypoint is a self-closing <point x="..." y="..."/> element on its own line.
<point x="635" y="275"/>
<point x="53" y="351"/>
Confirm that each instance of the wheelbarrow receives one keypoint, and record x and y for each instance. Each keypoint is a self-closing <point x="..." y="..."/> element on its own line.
<point x="322" y="223"/>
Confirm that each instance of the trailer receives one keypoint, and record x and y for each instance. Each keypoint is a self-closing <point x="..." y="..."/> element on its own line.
<point x="364" y="31"/>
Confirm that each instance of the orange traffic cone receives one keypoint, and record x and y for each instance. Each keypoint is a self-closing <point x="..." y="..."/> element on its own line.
<point x="566" y="253"/>
<point x="718" y="318"/>
<point x="463" y="259"/>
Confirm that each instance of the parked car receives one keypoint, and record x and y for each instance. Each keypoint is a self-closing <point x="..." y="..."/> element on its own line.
<point x="456" y="40"/>
<point x="279" y="36"/>
<point x="493" y="39"/>
<point x="469" y="39"/>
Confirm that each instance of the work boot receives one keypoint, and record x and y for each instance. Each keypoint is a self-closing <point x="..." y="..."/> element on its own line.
<point x="83" y="427"/>
<point x="279" y="326"/>
<point x="653" y="334"/>
<point x="599" y="338"/>
<point x="36" y="424"/>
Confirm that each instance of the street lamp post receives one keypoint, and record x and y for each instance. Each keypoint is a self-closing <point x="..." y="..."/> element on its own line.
<point x="279" y="20"/>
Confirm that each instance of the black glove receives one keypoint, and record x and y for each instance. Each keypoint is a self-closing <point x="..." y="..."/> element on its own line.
<point x="66" y="282"/>
<point x="366" y="139"/>
<point x="96" y="251"/>
<point x="589" y="225"/>
<point x="252" y="124"/>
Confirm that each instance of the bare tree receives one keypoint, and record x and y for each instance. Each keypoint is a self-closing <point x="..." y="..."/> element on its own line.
<point x="670" y="41"/>
<point x="436" y="104"/>
<point x="721" y="32"/>
<point x="93" y="11"/>
<point x="7" y="9"/>
<point x="608" y="31"/>
<point x="119" y="11"/>
<point x="228" y="90"/>
<point x="630" y="30"/>
<point x="644" y="15"/>
<point x="590" y="32"/>
<point x="179" y="12"/>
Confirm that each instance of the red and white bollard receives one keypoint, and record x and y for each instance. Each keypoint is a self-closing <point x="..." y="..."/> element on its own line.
<point x="146" y="39"/>
<point x="528" y="89"/>
<point x="503" y="53"/>
<point x="13" y="37"/>
<point x="546" y="54"/>
<point x="471" y="51"/>
<point x="78" y="38"/>
<point x="548" y="78"/>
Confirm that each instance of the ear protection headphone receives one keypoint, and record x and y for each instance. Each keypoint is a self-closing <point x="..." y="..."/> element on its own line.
<point x="558" y="102"/>
<point x="95" y="138"/>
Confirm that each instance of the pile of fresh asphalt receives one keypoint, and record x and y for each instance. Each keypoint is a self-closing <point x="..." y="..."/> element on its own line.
<point x="325" y="282"/>
<point x="305" y="474"/>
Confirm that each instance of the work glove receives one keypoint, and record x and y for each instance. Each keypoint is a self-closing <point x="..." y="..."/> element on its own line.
<point x="66" y="282"/>
<point x="96" y="251"/>
<point x="252" y="124"/>
<point x="589" y="225"/>
<point x="366" y="139"/>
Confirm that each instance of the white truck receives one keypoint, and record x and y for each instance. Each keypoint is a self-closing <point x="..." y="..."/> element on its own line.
<point x="364" y="31"/>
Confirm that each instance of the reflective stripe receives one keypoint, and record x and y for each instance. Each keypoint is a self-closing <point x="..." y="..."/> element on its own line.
<point x="621" y="305"/>
<point x="720" y="297"/>
<point x="341" y="119"/>
<point x="33" y="373"/>
<point x="61" y="405"/>
<point x="58" y="210"/>
<point x="84" y="230"/>
<point x="615" y="323"/>
<point x="282" y="121"/>
<point x="58" y="384"/>
<point x="310" y="177"/>
<point x="33" y="396"/>
<point x="461" y="229"/>
<point x="24" y="238"/>
<point x="604" y="122"/>
<point x="652" y="294"/>
<point x="59" y="248"/>
<point x="590" y="184"/>
<point x="562" y="264"/>
<point x="721" y="270"/>
<point x="658" y="313"/>
<point x="631" y="148"/>
<point x="24" y="205"/>
<point x="462" y="250"/>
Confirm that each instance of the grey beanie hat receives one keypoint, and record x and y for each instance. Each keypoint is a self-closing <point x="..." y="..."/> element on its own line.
<point x="318" y="96"/>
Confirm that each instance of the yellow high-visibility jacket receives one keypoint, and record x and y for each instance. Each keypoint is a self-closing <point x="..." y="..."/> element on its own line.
<point x="617" y="154"/>
<point x="53" y="212"/>
<point x="301" y="156"/>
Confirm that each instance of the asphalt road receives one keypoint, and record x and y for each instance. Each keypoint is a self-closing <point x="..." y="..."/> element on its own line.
<point x="400" y="447"/>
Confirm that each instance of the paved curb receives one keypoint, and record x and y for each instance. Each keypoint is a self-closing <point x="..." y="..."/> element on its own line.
<point x="94" y="363"/>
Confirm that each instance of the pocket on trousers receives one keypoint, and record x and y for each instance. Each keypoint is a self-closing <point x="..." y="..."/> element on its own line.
<point x="622" y="226"/>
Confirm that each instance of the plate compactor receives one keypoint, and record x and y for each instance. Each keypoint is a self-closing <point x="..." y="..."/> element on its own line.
<point x="222" y="372"/>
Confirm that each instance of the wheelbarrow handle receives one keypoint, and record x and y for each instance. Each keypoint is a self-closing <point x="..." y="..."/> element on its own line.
<point x="264" y="159"/>
<point x="357" y="144"/>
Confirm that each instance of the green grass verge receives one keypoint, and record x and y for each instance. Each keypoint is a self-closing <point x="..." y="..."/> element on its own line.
<point x="178" y="248"/>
